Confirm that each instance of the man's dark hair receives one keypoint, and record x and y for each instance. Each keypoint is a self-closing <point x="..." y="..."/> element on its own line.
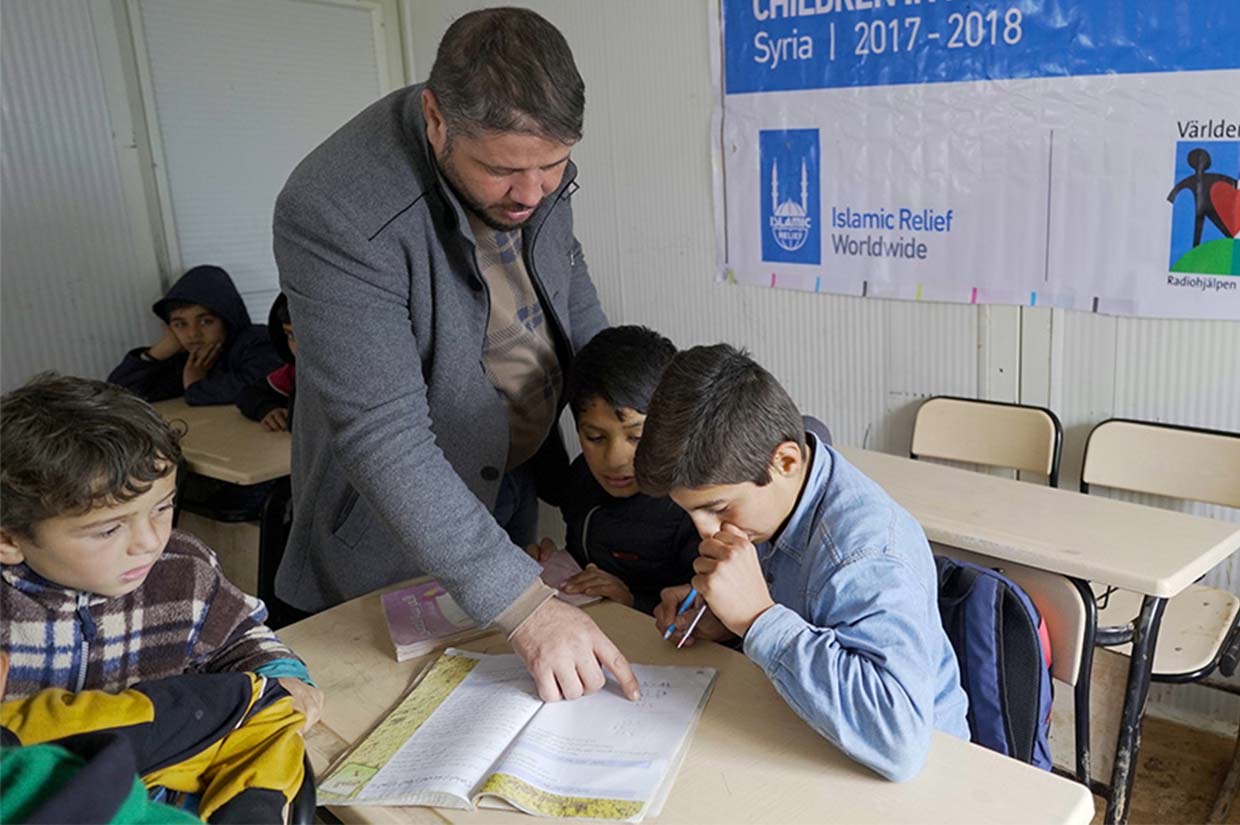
<point x="716" y="418"/>
<point x="507" y="70"/>
<point x="70" y="444"/>
<point x="621" y="366"/>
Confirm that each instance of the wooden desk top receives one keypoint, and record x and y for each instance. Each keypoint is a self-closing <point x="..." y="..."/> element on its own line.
<point x="752" y="759"/>
<point x="223" y="444"/>
<point x="1144" y="549"/>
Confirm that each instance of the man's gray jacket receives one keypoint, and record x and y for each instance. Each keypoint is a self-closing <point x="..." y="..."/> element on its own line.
<point x="400" y="439"/>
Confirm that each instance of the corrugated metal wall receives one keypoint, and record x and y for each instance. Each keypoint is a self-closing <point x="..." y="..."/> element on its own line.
<point x="75" y="292"/>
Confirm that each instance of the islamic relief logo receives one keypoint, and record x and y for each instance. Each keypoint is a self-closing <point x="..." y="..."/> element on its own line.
<point x="790" y="223"/>
<point x="1205" y="208"/>
<point x="789" y="162"/>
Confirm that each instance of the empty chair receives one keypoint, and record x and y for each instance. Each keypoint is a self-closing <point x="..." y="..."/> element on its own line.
<point x="990" y="433"/>
<point x="1199" y="625"/>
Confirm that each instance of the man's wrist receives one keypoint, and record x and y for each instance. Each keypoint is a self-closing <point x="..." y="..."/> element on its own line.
<point x="510" y="620"/>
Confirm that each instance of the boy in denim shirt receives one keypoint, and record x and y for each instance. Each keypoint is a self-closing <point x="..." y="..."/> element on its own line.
<point x="829" y="583"/>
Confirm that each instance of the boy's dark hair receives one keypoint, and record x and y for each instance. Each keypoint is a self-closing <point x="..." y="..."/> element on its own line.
<point x="621" y="366"/>
<point x="507" y="70"/>
<point x="69" y="444"/>
<point x="716" y="418"/>
<point x="279" y="310"/>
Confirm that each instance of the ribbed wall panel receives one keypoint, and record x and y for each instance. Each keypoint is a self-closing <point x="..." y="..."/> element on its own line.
<point x="242" y="92"/>
<point x="73" y="297"/>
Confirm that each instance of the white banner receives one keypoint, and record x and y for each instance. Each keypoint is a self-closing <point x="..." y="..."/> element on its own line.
<point x="1080" y="153"/>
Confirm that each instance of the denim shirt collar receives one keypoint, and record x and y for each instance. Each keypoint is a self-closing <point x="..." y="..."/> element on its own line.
<point x="800" y="524"/>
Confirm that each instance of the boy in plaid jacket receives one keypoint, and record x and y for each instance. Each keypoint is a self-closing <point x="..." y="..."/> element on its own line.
<point x="96" y="588"/>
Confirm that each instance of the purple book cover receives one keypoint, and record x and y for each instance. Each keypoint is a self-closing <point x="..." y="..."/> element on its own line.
<point x="423" y="612"/>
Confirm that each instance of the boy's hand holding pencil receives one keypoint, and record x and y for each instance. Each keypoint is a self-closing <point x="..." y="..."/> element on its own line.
<point x="674" y="623"/>
<point x="729" y="578"/>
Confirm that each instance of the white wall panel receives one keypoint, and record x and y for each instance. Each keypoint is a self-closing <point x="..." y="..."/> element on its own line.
<point x="242" y="91"/>
<point x="75" y="292"/>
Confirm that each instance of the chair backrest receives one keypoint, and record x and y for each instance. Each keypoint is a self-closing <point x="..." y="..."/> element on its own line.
<point x="991" y="433"/>
<point x="1058" y="600"/>
<point x="273" y="529"/>
<point x="1164" y="459"/>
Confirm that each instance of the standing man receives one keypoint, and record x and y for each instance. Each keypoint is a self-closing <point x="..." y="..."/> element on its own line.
<point x="438" y="293"/>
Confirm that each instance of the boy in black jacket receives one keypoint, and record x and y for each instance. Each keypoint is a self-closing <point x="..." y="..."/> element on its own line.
<point x="270" y="401"/>
<point x="209" y="350"/>
<point x="631" y="545"/>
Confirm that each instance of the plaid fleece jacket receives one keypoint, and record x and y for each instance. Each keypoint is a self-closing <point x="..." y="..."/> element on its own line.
<point x="186" y="617"/>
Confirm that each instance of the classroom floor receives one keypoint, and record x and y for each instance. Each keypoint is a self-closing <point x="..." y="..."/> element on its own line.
<point x="1179" y="776"/>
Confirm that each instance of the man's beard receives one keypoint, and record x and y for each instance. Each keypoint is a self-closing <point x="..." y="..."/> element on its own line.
<point x="449" y="172"/>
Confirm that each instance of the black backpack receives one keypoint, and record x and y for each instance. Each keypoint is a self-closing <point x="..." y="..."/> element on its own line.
<point x="994" y="626"/>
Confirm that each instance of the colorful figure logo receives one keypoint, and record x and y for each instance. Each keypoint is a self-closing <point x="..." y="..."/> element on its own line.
<point x="1204" y="226"/>
<point x="788" y="160"/>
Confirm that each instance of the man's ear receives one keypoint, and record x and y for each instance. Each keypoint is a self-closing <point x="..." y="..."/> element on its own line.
<point x="436" y="126"/>
<point x="10" y="548"/>
<point x="787" y="459"/>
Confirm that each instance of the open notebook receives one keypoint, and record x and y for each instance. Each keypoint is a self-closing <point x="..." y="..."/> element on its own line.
<point x="473" y="732"/>
<point x="424" y="617"/>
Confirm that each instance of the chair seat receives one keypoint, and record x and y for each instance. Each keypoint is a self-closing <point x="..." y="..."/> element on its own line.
<point x="1194" y="626"/>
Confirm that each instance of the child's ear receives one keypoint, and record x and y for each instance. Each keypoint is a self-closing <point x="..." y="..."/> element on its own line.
<point x="10" y="548"/>
<point x="787" y="458"/>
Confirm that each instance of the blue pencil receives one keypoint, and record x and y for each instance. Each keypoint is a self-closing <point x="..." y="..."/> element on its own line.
<point x="667" y="634"/>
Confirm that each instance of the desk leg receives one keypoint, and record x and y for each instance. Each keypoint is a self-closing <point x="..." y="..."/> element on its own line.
<point x="1140" y="666"/>
<point x="1081" y="696"/>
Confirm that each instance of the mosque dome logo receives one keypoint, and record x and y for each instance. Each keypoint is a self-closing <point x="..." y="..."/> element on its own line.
<point x="790" y="220"/>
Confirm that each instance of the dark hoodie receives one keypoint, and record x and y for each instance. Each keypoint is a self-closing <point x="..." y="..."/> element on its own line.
<point x="247" y="356"/>
<point x="276" y="389"/>
<point x="647" y="543"/>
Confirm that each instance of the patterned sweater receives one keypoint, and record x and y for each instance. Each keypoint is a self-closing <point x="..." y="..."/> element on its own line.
<point x="186" y="617"/>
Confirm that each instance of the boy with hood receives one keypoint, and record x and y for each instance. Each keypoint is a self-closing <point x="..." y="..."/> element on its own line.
<point x="209" y="351"/>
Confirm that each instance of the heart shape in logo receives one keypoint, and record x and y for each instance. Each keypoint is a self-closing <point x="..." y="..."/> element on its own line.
<point x="1226" y="201"/>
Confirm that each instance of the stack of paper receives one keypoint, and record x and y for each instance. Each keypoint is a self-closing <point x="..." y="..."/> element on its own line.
<point x="423" y="617"/>
<point x="473" y="732"/>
